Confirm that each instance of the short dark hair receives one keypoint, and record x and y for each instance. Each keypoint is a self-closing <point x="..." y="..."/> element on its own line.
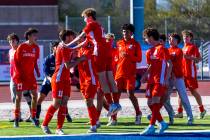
<point x="129" y="27"/>
<point x="13" y="36"/>
<point x="187" y="33"/>
<point x="148" y="32"/>
<point x="89" y="12"/>
<point x="163" y="37"/>
<point x="64" y="33"/>
<point x="54" y="44"/>
<point x="29" y="32"/>
<point x="176" y="36"/>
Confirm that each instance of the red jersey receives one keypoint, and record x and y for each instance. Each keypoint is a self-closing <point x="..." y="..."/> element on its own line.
<point x="126" y="66"/>
<point x="176" y="56"/>
<point x="95" y="34"/>
<point x="189" y="67"/>
<point x="63" y="55"/>
<point x="87" y="71"/>
<point x="157" y="57"/>
<point x="25" y="59"/>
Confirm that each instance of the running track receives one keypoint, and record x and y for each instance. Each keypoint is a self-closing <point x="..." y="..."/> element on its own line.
<point x="204" y="90"/>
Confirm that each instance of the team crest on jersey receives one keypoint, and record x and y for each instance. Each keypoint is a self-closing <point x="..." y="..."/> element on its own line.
<point x="130" y="47"/>
<point x="33" y="50"/>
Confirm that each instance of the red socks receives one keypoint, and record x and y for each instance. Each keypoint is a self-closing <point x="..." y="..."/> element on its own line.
<point x="108" y="98"/>
<point x="93" y="115"/>
<point x="155" y="108"/>
<point x="116" y="97"/>
<point x="201" y="108"/>
<point x="33" y="113"/>
<point x="17" y="113"/>
<point x="61" y="116"/>
<point x="180" y="109"/>
<point x="50" y="112"/>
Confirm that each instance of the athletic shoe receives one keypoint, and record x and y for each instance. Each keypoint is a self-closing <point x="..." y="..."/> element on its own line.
<point x="46" y="130"/>
<point x="178" y="115"/>
<point x="138" y="120"/>
<point x="112" y="107"/>
<point x="171" y="120"/>
<point x="98" y="124"/>
<point x="190" y="122"/>
<point x="92" y="129"/>
<point x="35" y="122"/>
<point x="68" y="118"/>
<point x="59" y="132"/>
<point x="112" y="123"/>
<point x="163" y="126"/>
<point x="202" y="114"/>
<point x="28" y="119"/>
<point x="150" y="130"/>
<point x="16" y="123"/>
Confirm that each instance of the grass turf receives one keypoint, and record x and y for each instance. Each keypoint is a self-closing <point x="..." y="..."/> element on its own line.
<point x="79" y="126"/>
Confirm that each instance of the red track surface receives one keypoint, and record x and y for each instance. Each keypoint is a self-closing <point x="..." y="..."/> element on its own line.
<point x="204" y="90"/>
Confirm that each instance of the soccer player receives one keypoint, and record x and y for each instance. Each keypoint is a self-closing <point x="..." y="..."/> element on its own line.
<point x="13" y="40"/>
<point x="128" y="54"/>
<point x="158" y="73"/>
<point x="177" y="80"/>
<point x="191" y="57"/>
<point x="94" y="33"/>
<point x="61" y="83"/>
<point x="49" y="68"/>
<point x="88" y="82"/>
<point x="25" y="58"/>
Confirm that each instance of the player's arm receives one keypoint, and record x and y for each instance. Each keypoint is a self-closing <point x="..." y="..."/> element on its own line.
<point x="17" y="60"/>
<point x="196" y="59"/>
<point x="169" y="70"/>
<point x="72" y="43"/>
<point x="71" y="64"/>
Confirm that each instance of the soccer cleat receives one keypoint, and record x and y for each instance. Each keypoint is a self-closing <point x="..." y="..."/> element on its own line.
<point x="112" y="123"/>
<point x="46" y="130"/>
<point x="59" y="132"/>
<point x="113" y="109"/>
<point x="202" y="114"/>
<point x="190" y="122"/>
<point x="163" y="126"/>
<point x="138" y="120"/>
<point x="171" y="120"/>
<point x="35" y="122"/>
<point x="16" y="123"/>
<point x="92" y="129"/>
<point x="178" y="115"/>
<point x="68" y="118"/>
<point x="150" y="130"/>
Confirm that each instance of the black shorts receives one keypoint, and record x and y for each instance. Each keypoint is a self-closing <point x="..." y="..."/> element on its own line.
<point x="46" y="87"/>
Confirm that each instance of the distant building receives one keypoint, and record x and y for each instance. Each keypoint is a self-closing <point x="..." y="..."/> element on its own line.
<point x="18" y="15"/>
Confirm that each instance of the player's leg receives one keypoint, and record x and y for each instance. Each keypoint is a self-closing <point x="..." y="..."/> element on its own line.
<point x="45" y="89"/>
<point x="17" y="108"/>
<point x="27" y="96"/>
<point x="130" y="86"/>
<point x="33" y="108"/>
<point x="167" y="102"/>
<point x="180" y="86"/>
<point x="199" y="101"/>
<point x="13" y="97"/>
<point x="50" y="113"/>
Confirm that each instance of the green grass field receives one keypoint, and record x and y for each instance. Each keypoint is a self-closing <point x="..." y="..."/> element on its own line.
<point x="79" y="126"/>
